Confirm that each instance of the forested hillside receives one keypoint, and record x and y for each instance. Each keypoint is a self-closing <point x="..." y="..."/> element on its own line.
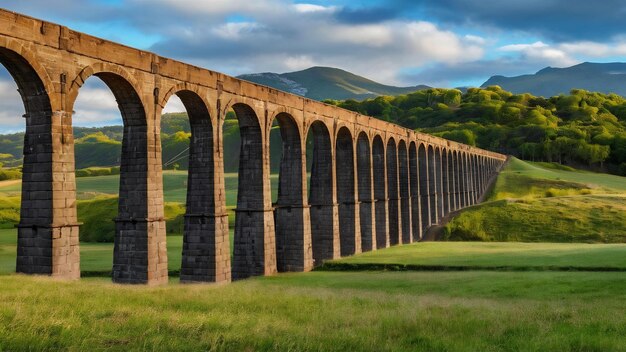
<point x="582" y="129"/>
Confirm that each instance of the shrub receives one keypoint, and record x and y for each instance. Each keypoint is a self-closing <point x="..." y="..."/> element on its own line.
<point x="10" y="174"/>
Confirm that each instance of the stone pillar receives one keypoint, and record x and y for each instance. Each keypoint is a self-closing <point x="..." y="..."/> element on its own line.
<point x="48" y="230"/>
<point x="365" y="193"/>
<point x="324" y="211"/>
<point x="393" y="200"/>
<point x="380" y="193"/>
<point x="406" y="235"/>
<point x="464" y="180"/>
<point x="424" y="186"/>
<point x="433" y="187"/>
<point x="414" y="182"/>
<point x="445" y="176"/>
<point x="440" y="186"/>
<point x="140" y="252"/>
<point x="254" y="245"/>
<point x="206" y="243"/>
<point x="291" y="214"/>
<point x="349" y="224"/>
<point x="454" y="191"/>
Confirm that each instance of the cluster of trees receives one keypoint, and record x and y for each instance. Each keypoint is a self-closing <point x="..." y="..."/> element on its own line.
<point x="582" y="128"/>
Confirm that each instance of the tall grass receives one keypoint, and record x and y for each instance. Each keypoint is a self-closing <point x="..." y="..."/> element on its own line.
<point x="477" y="311"/>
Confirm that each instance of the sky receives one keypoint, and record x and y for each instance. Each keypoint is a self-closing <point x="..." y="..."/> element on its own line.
<point x="443" y="43"/>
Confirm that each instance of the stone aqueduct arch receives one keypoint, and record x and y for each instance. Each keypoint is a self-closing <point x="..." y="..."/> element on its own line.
<point x="373" y="184"/>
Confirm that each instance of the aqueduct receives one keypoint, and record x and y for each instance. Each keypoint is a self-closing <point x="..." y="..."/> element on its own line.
<point x="373" y="184"/>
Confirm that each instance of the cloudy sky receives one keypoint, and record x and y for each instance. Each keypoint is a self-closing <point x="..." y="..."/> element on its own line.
<point x="443" y="43"/>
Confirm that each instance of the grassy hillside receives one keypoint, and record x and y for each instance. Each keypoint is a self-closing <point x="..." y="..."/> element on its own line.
<point x="535" y="202"/>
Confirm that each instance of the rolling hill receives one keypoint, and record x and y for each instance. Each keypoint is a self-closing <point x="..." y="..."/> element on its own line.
<point x="321" y="83"/>
<point x="550" y="81"/>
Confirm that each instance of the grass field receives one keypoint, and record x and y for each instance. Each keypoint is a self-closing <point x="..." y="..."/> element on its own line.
<point x="323" y="311"/>
<point x="540" y="202"/>
<point x="174" y="186"/>
<point x="508" y="255"/>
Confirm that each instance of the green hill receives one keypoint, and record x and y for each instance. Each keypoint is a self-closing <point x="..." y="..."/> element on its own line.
<point x="540" y="202"/>
<point x="321" y="83"/>
<point x="596" y="77"/>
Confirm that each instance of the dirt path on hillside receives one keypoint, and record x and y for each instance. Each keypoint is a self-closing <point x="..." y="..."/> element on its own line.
<point x="8" y="183"/>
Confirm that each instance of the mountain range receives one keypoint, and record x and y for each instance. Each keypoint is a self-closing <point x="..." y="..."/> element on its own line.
<point x="550" y="81"/>
<point x="321" y="83"/>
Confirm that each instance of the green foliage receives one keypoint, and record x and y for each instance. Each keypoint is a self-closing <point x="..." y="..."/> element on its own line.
<point x="98" y="171"/>
<point x="97" y="149"/>
<point x="10" y="174"/>
<point x="583" y="128"/>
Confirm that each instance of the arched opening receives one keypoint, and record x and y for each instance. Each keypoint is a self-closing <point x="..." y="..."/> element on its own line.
<point x="139" y="254"/>
<point x="293" y="241"/>
<point x="190" y="145"/>
<point x="324" y="243"/>
<point x="392" y="192"/>
<point x="478" y="177"/>
<point x="481" y="176"/>
<point x="433" y="184"/>
<point x="405" y="201"/>
<point x="345" y="192"/>
<point x="454" y="192"/>
<point x="472" y="178"/>
<point x="445" y="182"/>
<point x="252" y="254"/>
<point x="424" y="186"/>
<point x="33" y="151"/>
<point x="416" y="222"/>
<point x="439" y="172"/>
<point x="463" y="176"/>
<point x="364" y="174"/>
<point x="380" y="192"/>
<point x="485" y="170"/>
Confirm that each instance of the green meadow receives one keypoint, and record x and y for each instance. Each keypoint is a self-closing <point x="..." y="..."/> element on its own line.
<point x="546" y="287"/>
<point x="322" y="311"/>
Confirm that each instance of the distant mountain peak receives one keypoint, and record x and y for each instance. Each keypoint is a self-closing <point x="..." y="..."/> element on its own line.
<point x="321" y="82"/>
<point x="551" y="81"/>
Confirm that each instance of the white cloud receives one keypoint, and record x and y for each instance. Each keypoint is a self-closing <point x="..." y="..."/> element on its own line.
<point x="213" y="7"/>
<point x="11" y="107"/>
<point x="375" y="36"/>
<point x="295" y="63"/>
<point x="234" y="30"/>
<point x="593" y="49"/>
<point x="95" y="105"/>
<point x="540" y="51"/>
<point x="174" y="105"/>
<point x="307" y="8"/>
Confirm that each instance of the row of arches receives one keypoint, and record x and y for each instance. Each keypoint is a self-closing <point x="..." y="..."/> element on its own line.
<point x="366" y="191"/>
